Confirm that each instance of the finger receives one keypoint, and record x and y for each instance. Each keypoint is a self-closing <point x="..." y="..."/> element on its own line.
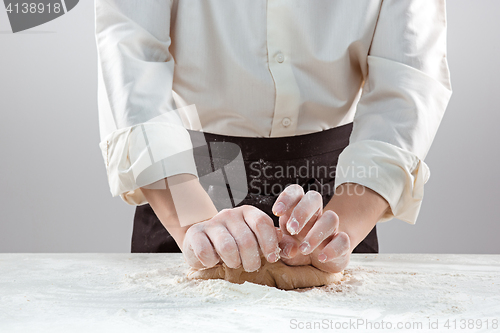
<point x="224" y="244"/>
<point x="279" y="233"/>
<point x="263" y="227"/>
<point x="289" y="247"/>
<point x="333" y="266"/>
<point x="200" y="252"/>
<point x="336" y="248"/>
<point x="309" y="224"/>
<point x="325" y="226"/>
<point x="283" y="219"/>
<point x="247" y="244"/>
<point x="287" y="199"/>
<point x="298" y="260"/>
<point x="308" y="206"/>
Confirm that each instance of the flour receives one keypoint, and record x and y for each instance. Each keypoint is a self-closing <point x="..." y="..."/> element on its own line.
<point x="384" y="291"/>
<point x="150" y="293"/>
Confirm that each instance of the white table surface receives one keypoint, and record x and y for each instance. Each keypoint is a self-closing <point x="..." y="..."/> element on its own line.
<point x="149" y="292"/>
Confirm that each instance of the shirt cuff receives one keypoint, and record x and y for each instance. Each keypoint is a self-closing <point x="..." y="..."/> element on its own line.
<point x="395" y="174"/>
<point x="143" y="154"/>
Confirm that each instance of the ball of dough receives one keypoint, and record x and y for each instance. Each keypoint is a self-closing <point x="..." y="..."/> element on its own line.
<point x="276" y="274"/>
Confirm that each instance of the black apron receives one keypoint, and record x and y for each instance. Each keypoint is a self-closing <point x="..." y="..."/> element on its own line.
<point x="270" y="165"/>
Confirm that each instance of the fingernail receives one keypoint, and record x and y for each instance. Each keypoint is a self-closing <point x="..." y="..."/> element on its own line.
<point x="275" y="256"/>
<point x="304" y="247"/>
<point x="251" y="271"/>
<point x="279" y="209"/>
<point x="286" y="250"/>
<point x="322" y="257"/>
<point x="272" y="257"/>
<point x="293" y="226"/>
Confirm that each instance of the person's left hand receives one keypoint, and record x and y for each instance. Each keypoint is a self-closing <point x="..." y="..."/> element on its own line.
<point x="310" y="236"/>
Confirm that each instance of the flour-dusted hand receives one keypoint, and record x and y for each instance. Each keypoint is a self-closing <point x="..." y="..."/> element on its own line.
<point x="234" y="236"/>
<point x="311" y="236"/>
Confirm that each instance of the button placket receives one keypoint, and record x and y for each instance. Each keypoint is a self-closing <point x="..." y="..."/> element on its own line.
<point x="287" y="103"/>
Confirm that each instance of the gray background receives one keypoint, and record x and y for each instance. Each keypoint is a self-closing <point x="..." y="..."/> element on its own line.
<point x="54" y="192"/>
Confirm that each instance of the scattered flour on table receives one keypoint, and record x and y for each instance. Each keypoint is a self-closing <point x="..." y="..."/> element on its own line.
<point x="392" y="292"/>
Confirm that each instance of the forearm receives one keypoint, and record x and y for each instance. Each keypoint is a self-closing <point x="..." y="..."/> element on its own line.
<point x="178" y="215"/>
<point x="359" y="209"/>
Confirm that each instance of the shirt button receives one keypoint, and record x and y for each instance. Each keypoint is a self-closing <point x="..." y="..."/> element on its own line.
<point x="280" y="57"/>
<point x="286" y="122"/>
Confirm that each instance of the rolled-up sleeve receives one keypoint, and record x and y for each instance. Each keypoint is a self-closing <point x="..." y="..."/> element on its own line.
<point x="140" y="127"/>
<point x="405" y="94"/>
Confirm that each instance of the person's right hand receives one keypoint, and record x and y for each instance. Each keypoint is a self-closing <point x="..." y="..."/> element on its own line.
<point x="236" y="236"/>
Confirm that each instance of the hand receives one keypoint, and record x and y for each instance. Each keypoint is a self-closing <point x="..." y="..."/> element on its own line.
<point x="310" y="236"/>
<point x="349" y="216"/>
<point x="236" y="236"/>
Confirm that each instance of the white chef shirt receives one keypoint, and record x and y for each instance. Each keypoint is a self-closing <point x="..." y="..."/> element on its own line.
<point x="274" y="68"/>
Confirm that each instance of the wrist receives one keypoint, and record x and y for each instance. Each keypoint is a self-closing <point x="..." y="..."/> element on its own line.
<point x="172" y="199"/>
<point x="358" y="208"/>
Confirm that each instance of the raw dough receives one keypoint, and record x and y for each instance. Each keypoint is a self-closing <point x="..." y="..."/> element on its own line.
<point x="276" y="274"/>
